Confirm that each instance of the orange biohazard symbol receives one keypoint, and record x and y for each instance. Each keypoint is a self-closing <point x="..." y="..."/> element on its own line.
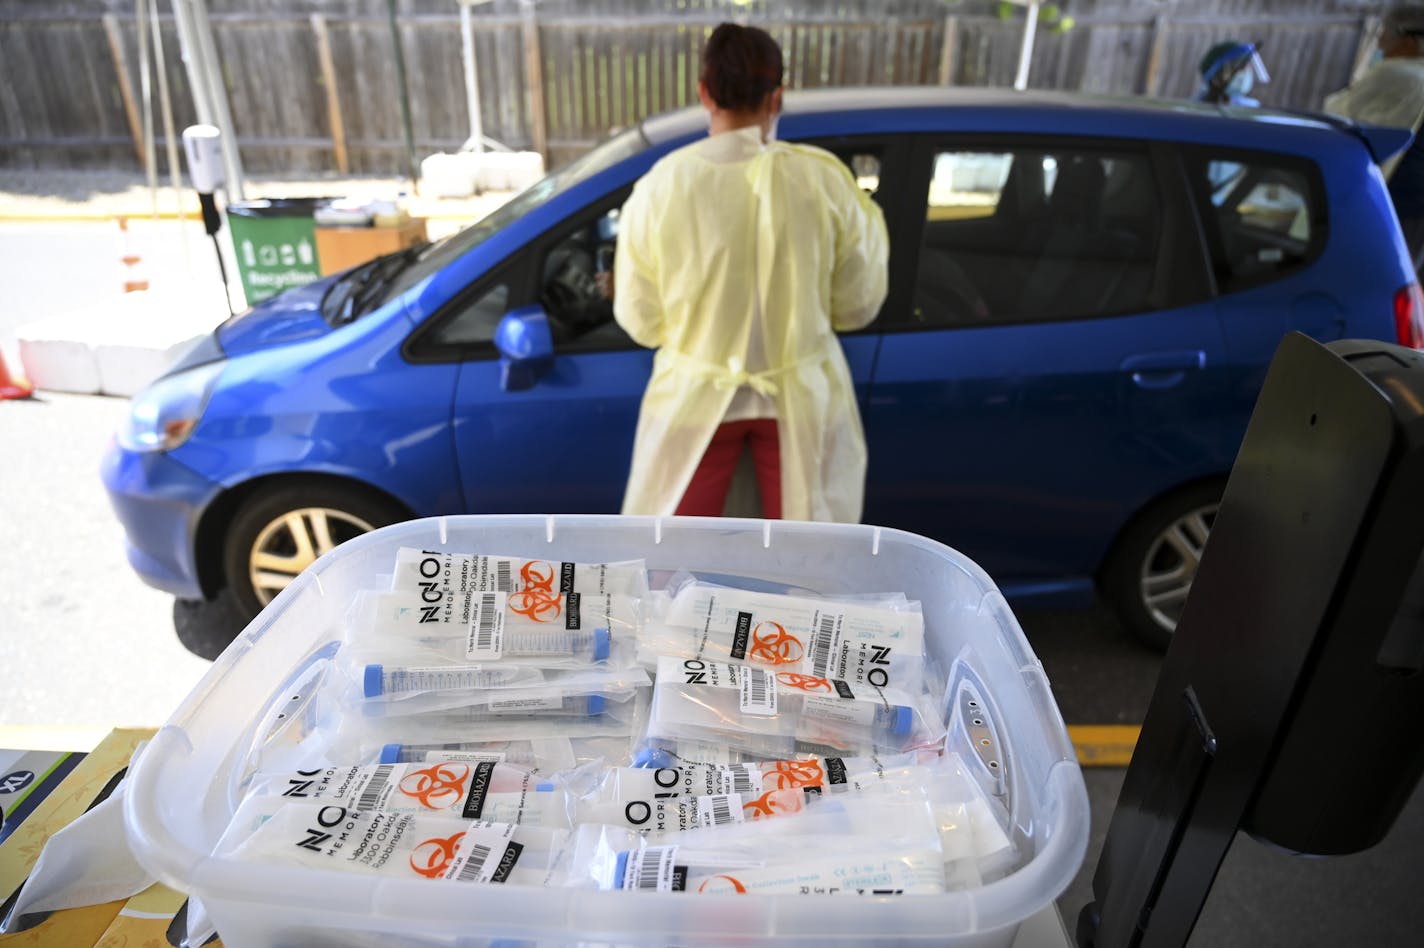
<point x="537" y="604"/>
<point x="772" y="803"/>
<point x="776" y="646"/>
<point x="786" y="774"/>
<point x="804" y="682"/>
<point x="436" y="787"/>
<point x="537" y="600"/>
<point x="719" y="888"/>
<point x="432" y="858"/>
<point x="537" y="575"/>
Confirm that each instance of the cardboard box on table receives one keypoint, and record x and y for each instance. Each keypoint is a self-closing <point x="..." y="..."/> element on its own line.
<point x="143" y="919"/>
<point x="340" y="248"/>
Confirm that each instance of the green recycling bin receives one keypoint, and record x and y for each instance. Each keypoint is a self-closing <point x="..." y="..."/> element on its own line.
<point x="275" y="244"/>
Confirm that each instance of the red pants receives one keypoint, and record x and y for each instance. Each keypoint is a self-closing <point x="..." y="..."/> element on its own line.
<point x="707" y="494"/>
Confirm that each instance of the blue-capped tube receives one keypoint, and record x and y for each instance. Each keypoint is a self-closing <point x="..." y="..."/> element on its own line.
<point x="592" y="645"/>
<point x="507" y="709"/>
<point x="419" y="753"/>
<point x="775" y="714"/>
<point x="384" y="680"/>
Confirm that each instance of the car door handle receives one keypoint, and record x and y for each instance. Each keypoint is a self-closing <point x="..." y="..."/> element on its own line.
<point x="1157" y="370"/>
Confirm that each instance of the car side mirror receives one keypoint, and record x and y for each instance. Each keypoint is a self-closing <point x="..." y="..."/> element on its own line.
<point x="526" y="347"/>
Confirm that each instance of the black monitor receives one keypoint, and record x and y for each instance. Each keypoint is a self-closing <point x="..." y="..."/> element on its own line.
<point x="1299" y="652"/>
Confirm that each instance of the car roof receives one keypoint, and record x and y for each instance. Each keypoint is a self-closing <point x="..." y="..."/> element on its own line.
<point x="923" y="108"/>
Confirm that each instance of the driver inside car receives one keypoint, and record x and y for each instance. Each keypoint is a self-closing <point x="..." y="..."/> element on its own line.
<point x="577" y="287"/>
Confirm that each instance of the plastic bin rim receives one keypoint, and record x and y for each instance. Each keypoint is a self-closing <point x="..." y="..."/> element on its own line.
<point x="876" y="535"/>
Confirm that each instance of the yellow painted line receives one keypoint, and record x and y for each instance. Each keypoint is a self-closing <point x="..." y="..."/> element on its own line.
<point x="1104" y="745"/>
<point x="89" y="217"/>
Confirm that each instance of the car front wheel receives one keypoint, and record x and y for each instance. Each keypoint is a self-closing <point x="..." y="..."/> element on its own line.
<point x="1151" y="569"/>
<point x="277" y="533"/>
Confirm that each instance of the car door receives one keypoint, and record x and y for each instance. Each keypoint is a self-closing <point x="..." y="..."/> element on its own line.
<point x="1264" y="220"/>
<point x="1058" y="362"/>
<point x="562" y="445"/>
<point x="879" y="164"/>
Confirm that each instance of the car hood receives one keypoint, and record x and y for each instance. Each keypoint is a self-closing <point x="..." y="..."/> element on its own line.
<point x="285" y="318"/>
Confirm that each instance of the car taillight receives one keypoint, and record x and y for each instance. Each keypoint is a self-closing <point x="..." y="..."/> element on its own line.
<point x="1409" y="316"/>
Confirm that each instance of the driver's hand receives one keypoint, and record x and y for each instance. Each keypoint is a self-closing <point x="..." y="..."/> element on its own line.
<point x="604" y="281"/>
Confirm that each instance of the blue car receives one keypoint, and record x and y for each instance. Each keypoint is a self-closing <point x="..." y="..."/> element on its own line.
<point x="1085" y="294"/>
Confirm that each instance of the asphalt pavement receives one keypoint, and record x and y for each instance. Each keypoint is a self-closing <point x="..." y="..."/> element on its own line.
<point x="85" y="643"/>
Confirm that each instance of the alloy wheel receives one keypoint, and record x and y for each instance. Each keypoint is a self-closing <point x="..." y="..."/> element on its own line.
<point x="1171" y="565"/>
<point x="295" y="540"/>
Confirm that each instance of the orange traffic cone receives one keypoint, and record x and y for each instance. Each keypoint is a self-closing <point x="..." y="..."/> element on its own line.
<point x="13" y="386"/>
<point x="134" y="278"/>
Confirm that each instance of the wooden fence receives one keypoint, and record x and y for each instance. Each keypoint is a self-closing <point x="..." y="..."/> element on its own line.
<point x="312" y="86"/>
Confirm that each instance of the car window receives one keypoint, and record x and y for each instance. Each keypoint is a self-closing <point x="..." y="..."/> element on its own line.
<point x="1263" y="215"/>
<point x="1036" y="233"/>
<point x="473" y="323"/>
<point x="441" y="253"/>
<point x="576" y="285"/>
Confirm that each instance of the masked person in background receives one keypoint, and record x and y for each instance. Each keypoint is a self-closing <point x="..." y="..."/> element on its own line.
<point x="739" y="258"/>
<point x="1391" y="93"/>
<point x="1229" y="71"/>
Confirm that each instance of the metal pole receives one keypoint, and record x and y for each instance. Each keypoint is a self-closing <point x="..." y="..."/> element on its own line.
<point x="472" y="79"/>
<point x="191" y="52"/>
<point x="404" y="94"/>
<point x="1026" y="50"/>
<point x="145" y="85"/>
<point x="165" y="104"/>
<point x="217" y="89"/>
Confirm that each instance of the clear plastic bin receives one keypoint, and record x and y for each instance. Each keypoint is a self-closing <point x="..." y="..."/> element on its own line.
<point x="182" y="789"/>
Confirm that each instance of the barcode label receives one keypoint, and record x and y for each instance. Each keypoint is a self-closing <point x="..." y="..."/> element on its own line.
<point x="825" y="644"/>
<point x="372" y="796"/>
<point x="472" y="868"/>
<point x="740" y="779"/>
<point x="856" y="714"/>
<point x="481" y="841"/>
<point x="486" y="639"/>
<point x="651" y="869"/>
<point x="503" y="578"/>
<point x="720" y="810"/>
<point x="758" y="691"/>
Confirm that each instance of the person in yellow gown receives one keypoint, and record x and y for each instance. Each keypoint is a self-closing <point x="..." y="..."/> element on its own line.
<point x="739" y="257"/>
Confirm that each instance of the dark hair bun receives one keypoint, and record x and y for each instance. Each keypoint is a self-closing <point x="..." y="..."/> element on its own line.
<point x="741" y="66"/>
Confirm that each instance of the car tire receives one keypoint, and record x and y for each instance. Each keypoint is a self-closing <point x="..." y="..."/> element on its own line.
<point x="1150" y="570"/>
<point x="277" y="533"/>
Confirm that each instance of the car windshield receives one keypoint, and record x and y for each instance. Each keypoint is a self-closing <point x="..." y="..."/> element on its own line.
<point x="437" y="255"/>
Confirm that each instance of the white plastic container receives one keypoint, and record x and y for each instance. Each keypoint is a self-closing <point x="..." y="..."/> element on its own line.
<point x="182" y="789"/>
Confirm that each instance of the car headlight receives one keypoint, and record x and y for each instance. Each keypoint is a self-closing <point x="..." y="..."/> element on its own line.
<point x="163" y="415"/>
